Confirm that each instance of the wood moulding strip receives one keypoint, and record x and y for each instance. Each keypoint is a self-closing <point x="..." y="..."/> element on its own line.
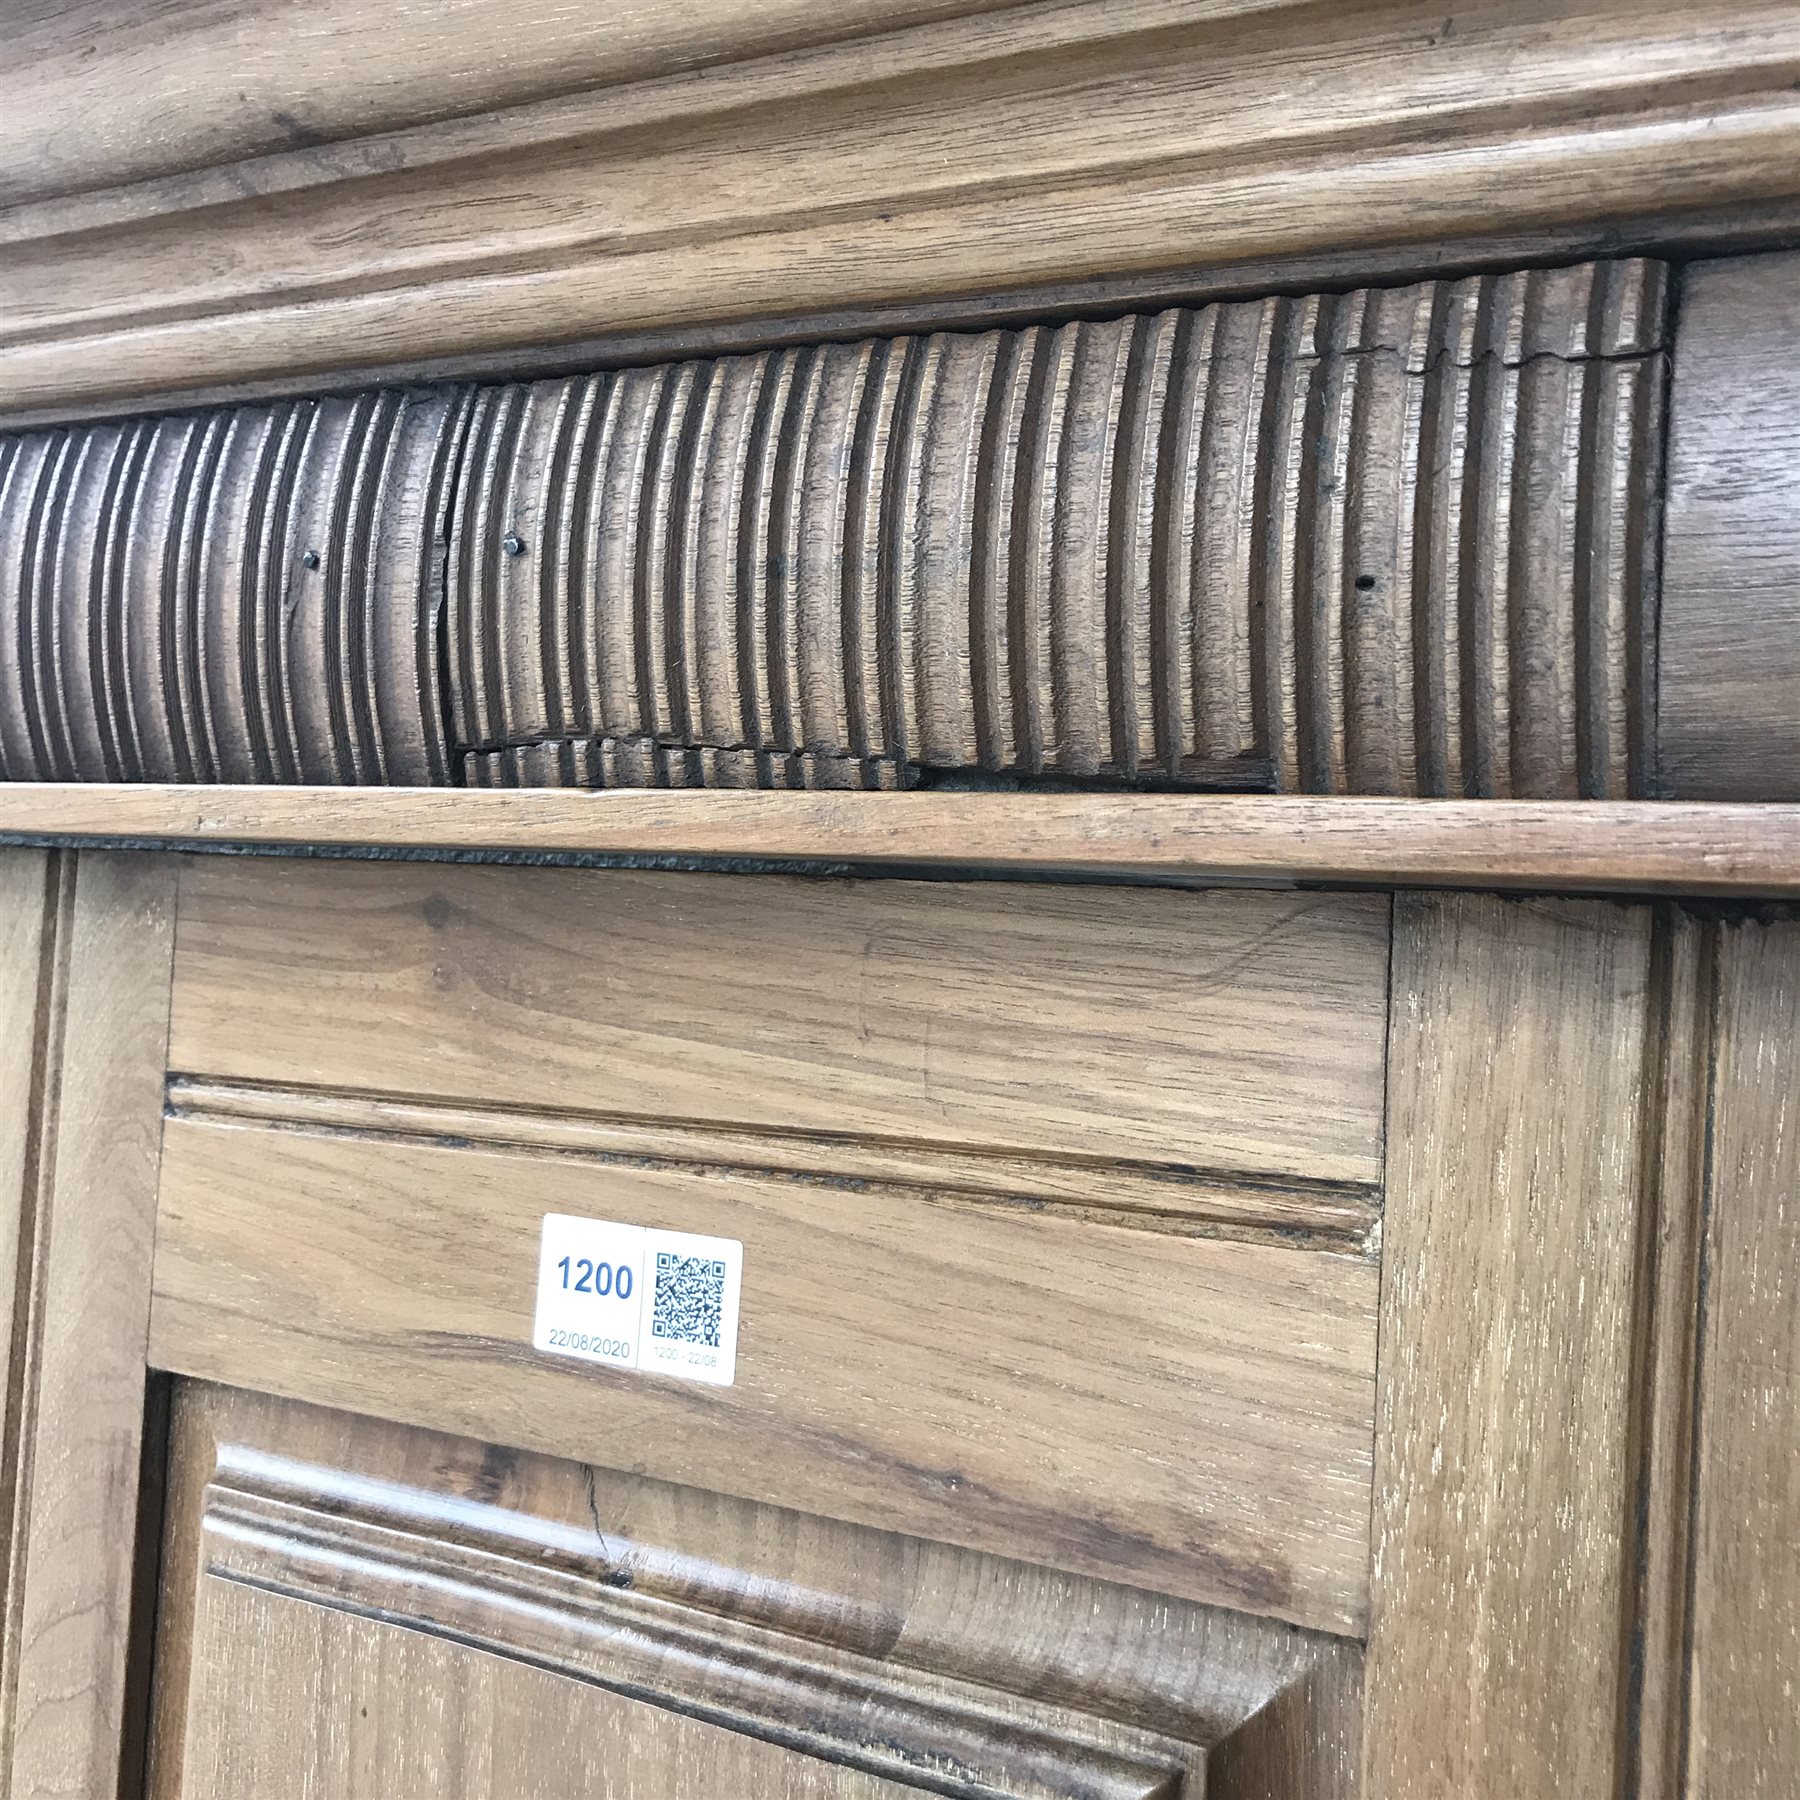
<point x="550" y="1604"/>
<point x="1563" y="846"/>
<point x="1188" y="1202"/>
<point x="942" y="159"/>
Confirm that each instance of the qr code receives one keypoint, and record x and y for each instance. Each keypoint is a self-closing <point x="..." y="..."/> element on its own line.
<point x="690" y="1296"/>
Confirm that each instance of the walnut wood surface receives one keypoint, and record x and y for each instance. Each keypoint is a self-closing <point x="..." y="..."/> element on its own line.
<point x="861" y="1654"/>
<point x="1504" y="1471"/>
<point x="1396" y="541"/>
<point x="1575" y="846"/>
<point x="850" y="166"/>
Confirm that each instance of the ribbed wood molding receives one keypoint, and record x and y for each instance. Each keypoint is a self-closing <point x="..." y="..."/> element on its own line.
<point x="1396" y="541"/>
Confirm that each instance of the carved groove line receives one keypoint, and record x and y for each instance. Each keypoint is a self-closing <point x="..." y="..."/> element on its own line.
<point x="1134" y="1193"/>
<point x="1394" y="541"/>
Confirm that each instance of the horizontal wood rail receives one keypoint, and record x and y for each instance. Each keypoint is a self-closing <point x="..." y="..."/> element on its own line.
<point x="1567" y="846"/>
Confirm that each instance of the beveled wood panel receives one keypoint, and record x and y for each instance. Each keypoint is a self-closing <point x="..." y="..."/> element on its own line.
<point x="934" y="163"/>
<point x="1190" y="1414"/>
<point x="1172" y="1032"/>
<point x="863" y="1656"/>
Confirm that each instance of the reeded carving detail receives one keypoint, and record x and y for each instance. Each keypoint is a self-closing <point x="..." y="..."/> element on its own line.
<point x="1386" y="542"/>
<point x="1393" y="541"/>
<point x="227" y="596"/>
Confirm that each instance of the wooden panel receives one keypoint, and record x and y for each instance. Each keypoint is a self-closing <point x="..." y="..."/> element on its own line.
<point x="1744" y="1723"/>
<point x="342" y="1713"/>
<point x="240" y="596"/>
<point x="1189" y="1413"/>
<point x="1632" y="847"/>
<point x="1504" y="1475"/>
<point x="1730" y="725"/>
<point x="885" y="1658"/>
<point x="81" y="1435"/>
<point x="1386" y="542"/>
<point x="958" y="157"/>
<point x="1228" y="1031"/>
<point x="1393" y="541"/>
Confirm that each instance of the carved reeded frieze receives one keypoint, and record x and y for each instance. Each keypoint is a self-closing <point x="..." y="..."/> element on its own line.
<point x="1391" y="541"/>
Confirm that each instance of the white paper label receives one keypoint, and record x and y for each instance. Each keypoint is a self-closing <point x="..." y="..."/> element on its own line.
<point x="637" y="1298"/>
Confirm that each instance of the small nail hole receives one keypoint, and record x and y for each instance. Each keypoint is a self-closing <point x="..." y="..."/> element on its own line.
<point x="1365" y="583"/>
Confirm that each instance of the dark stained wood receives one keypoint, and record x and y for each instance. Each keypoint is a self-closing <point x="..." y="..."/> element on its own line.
<point x="1730" y="704"/>
<point x="228" y="596"/>
<point x="1386" y="542"/>
<point x="1568" y="846"/>
<point x="1396" y="541"/>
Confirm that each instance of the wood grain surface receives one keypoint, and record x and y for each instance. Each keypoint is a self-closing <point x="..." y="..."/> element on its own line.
<point x="1730" y="702"/>
<point x="1187" y="1414"/>
<point x="175" y="90"/>
<point x="1632" y="847"/>
<point x="68" y="1722"/>
<point x="1743" y="1724"/>
<point x="1394" y="541"/>
<point x="834" y="165"/>
<point x="228" y="596"/>
<point x="30" y="895"/>
<point x="881" y="1655"/>
<point x="1505" y="1476"/>
<point x="35" y="893"/>
<point x="1177" y="1033"/>
<point x="1684" y="1019"/>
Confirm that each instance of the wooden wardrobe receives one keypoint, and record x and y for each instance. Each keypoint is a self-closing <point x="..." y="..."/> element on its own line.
<point x="900" y="899"/>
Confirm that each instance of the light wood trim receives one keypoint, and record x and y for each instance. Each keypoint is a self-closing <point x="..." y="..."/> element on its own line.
<point x="81" y="1438"/>
<point x="1504" y="1478"/>
<point x="35" y="886"/>
<point x="1742" y="1686"/>
<point x="1564" y="846"/>
<point x="957" y="157"/>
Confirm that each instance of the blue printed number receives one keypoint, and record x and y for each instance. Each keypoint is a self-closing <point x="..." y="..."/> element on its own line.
<point x="597" y="1278"/>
